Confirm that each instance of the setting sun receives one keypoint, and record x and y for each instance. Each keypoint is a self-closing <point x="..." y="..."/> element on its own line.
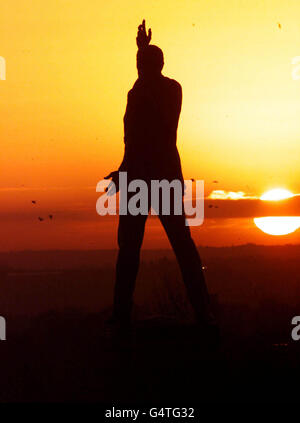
<point x="278" y="225"/>
<point x="277" y="194"/>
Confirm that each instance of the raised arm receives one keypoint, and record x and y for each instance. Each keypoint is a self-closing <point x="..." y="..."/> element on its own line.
<point x="142" y="39"/>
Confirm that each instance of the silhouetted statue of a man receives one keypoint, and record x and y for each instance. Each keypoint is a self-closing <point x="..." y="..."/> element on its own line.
<point x="150" y="130"/>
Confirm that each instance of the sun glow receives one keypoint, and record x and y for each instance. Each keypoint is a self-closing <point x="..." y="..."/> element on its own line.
<point x="277" y="194"/>
<point x="278" y="225"/>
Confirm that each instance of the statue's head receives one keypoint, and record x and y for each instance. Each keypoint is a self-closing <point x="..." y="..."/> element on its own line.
<point x="150" y="61"/>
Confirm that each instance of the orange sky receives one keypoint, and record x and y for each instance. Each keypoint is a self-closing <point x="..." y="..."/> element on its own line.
<point x="70" y="64"/>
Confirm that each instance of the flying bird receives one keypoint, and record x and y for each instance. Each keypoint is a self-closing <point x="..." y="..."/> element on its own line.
<point x="279" y="25"/>
<point x="40" y="219"/>
<point x="50" y="216"/>
<point x="215" y="182"/>
<point x="33" y="202"/>
<point x="210" y="206"/>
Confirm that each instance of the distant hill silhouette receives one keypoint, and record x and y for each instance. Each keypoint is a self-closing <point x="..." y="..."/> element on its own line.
<point x="56" y="303"/>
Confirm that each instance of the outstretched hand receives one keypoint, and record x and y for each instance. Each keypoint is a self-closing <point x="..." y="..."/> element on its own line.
<point x="142" y="38"/>
<point x="113" y="187"/>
